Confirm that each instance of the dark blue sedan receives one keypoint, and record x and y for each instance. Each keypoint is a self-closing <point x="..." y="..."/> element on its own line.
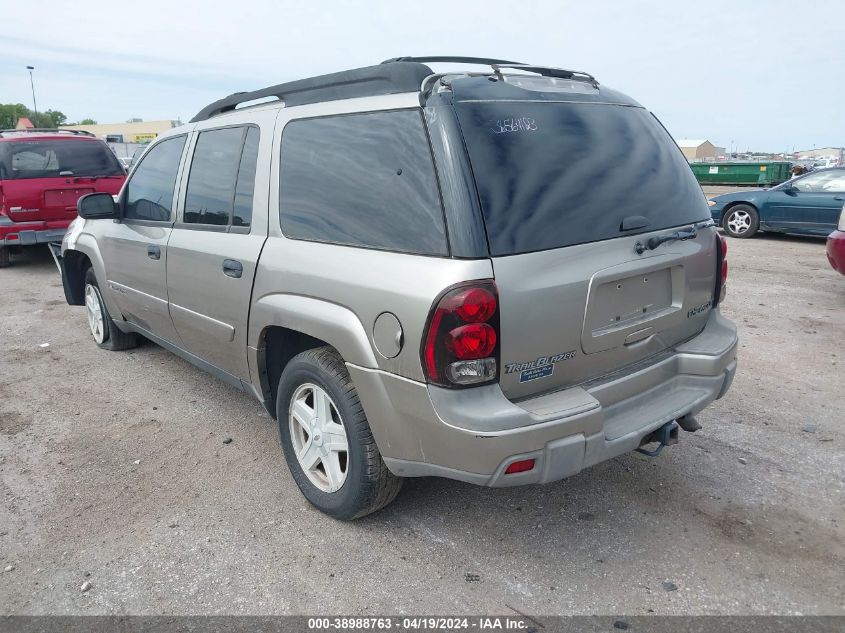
<point x="807" y="205"/>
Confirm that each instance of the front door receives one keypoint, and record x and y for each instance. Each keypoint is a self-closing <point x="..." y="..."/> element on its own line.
<point x="214" y="248"/>
<point x="135" y="249"/>
<point x="811" y="205"/>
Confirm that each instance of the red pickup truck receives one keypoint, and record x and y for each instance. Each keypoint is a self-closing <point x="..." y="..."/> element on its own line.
<point x="42" y="175"/>
<point x="836" y="245"/>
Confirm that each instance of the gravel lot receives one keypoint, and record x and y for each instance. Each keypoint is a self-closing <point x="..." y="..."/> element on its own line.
<point x="114" y="471"/>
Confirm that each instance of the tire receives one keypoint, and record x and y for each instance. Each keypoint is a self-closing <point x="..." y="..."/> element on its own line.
<point x="5" y="260"/>
<point x="107" y="335"/>
<point x="342" y="488"/>
<point x="741" y="220"/>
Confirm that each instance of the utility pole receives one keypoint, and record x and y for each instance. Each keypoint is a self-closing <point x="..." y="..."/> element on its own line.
<point x="32" y="85"/>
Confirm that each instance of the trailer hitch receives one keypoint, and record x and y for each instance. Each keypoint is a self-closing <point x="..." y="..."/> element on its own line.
<point x="666" y="435"/>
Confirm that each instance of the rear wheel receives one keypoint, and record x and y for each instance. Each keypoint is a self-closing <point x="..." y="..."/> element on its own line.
<point x="5" y="260"/>
<point x="326" y="439"/>
<point x="741" y="221"/>
<point x="106" y="334"/>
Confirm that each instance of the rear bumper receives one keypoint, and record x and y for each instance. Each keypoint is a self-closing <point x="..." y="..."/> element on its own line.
<point x="473" y="435"/>
<point x="836" y="251"/>
<point x="31" y="233"/>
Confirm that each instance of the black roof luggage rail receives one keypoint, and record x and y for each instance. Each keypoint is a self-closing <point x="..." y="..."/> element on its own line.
<point x="383" y="79"/>
<point x="51" y="130"/>
<point x="482" y="61"/>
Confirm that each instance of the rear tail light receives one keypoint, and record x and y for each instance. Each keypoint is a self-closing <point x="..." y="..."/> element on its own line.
<point x="721" y="269"/>
<point x="461" y="341"/>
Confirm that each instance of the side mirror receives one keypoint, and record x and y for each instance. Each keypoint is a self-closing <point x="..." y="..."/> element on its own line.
<point x="789" y="189"/>
<point x="96" y="206"/>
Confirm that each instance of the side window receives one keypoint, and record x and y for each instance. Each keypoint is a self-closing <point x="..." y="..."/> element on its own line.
<point x="245" y="187"/>
<point x="211" y="183"/>
<point x="149" y="192"/>
<point x="828" y="181"/>
<point x="362" y="180"/>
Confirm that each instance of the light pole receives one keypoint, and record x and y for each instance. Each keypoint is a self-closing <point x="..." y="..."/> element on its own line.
<point x="32" y="85"/>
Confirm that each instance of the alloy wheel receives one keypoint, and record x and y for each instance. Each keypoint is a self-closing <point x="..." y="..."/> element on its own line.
<point x="318" y="437"/>
<point x="94" y="311"/>
<point x="739" y="221"/>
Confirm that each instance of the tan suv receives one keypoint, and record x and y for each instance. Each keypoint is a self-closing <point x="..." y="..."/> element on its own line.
<point x="500" y="277"/>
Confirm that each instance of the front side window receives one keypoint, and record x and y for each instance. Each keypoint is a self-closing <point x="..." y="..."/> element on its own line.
<point x="362" y="180"/>
<point x="149" y="192"/>
<point x="832" y="181"/>
<point x="53" y="158"/>
<point x="211" y="184"/>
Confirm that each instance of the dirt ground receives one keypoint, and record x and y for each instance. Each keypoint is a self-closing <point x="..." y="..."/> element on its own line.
<point x="114" y="471"/>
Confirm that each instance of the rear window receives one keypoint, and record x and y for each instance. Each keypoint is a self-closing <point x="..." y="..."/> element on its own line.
<point x="53" y="158"/>
<point x="551" y="175"/>
<point x="362" y="180"/>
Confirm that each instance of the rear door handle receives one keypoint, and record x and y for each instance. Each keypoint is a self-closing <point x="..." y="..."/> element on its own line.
<point x="839" y="197"/>
<point x="233" y="268"/>
<point x="153" y="252"/>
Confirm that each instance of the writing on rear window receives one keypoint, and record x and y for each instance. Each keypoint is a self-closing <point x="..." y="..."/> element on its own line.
<point x="519" y="124"/>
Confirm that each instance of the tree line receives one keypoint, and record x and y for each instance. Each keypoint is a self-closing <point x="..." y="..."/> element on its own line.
<point x="11" y="112"/>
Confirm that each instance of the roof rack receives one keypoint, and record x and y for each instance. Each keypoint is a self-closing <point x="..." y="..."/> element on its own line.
<point x="392" y="76"/>
<point x="497" y="64"/>
<point x="382" y="79"/>
<point x="50" y="130"/>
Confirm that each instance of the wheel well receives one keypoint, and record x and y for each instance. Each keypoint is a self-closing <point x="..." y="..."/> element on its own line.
<point x="736" y="203"/>
<point x="281" y="344"/>
<point x="75" y="265"/>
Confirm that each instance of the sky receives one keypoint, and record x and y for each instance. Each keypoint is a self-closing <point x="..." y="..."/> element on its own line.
<point x="764" y="75"/>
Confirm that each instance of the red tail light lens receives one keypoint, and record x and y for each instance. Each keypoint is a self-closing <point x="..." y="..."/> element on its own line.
<point x="721" y="269"/>
<point x="471" y="342"/>
<point x="460" y="346"/>
<point x="475" y="305"/>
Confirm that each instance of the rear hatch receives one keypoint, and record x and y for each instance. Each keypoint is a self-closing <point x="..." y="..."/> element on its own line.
<point x="568" y="189"/>
<point x="43" y="178"/>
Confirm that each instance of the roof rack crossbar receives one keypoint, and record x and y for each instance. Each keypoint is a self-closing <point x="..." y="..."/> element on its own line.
<point x="548" y="71"/>
<point x="48" y="129"/>
<point x="382" y="79"/>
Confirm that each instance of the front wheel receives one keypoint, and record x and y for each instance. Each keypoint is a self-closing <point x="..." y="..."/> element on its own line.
<point x="741" y="221"/>
<point x="326" y="439"/>
<point x="106" y="334"/>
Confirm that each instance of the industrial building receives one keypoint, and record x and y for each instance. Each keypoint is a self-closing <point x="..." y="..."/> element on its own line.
<point x="699" y="149"/>
<point x="130" y="132"/>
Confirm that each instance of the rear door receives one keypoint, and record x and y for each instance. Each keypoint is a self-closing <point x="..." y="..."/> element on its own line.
<point x="567" y="191"/>
<point x="45" y="176"/>
<point x="215" y="244"/>
<point x="135" y="249"/>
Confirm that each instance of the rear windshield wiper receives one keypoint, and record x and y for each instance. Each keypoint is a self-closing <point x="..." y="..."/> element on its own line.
<point x="689" y="233"/>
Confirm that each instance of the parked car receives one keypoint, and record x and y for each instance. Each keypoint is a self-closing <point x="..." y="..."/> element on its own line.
<point x="836" y="245"/>
<point x="42" y="175"/>
<point x="412" y="274"/>
<point x="806" y="205"/>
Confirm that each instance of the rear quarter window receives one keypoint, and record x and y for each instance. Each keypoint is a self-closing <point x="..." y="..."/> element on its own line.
<point x="363" y="180"/>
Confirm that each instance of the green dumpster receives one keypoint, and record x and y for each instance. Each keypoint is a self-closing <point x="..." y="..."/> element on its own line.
<point x="758" y="174"/>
